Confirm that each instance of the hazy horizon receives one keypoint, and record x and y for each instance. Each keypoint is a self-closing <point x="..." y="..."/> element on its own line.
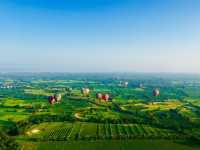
<point x="99" y="73"/>
<point x="145" y="36"/>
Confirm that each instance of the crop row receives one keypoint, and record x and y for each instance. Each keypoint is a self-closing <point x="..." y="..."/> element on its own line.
<point x="93" y="131"/>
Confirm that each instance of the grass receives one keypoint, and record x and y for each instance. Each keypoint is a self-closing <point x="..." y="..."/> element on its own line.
<point x="113" y="144"/>
<point x="12" y="109"/>
<point x="88" y="130"/>
<point x="38" y="92"/>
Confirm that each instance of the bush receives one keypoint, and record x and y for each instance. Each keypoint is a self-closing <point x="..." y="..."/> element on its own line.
<point x="8" y="143"/>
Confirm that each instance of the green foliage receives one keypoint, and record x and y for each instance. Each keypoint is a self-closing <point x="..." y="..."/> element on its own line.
<point x="138" y="144"/>
<point x="132" y="112"/>
<point x="8" y="143"/>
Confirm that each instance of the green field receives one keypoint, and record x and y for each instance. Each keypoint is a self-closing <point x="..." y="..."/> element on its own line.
<point x="132" y="118"/>
<point x="113" y="144"/>
<point x="94" y="131"/>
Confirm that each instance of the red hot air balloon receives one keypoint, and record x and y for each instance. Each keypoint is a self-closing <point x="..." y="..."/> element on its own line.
<point x="105" y="97"/>
<point x="155" y="92"/>
<point x="51" y="100"/>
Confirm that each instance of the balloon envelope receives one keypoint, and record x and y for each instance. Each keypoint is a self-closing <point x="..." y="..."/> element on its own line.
<point x="105" y="97"/>
<point x="85" y="91"/>
<point x="58" y="97"/>
<point x="125" y="83"/>
<point x="99" y="96"/>
<point x="155" y="92"/>
<point x="51" y="100"/>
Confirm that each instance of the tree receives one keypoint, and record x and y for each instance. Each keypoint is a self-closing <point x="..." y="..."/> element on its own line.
<point x="8" y="143"/>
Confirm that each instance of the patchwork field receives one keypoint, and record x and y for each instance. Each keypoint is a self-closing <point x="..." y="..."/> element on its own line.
<point x="131" y="116"/>
<point x="58" y="131"/>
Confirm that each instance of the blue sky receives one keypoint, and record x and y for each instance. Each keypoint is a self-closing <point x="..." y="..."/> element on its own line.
<point x="100" y="35"/>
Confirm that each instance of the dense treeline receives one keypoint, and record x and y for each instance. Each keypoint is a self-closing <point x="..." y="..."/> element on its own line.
<point x="8" y="143"/>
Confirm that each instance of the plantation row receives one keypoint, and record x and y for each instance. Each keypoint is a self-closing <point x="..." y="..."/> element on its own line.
<point x="93" y="131"/>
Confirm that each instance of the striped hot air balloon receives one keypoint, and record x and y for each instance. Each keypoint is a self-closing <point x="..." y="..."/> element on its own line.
<point x="155" y="92"/>
<point x="51" y="100"/>
<point x="105" y="97"/>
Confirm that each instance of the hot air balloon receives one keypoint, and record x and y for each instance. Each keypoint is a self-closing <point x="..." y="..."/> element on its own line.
<point x="51" y="100"/>
<point x="99" y="96"/>
<point x="155" y="92"/>
<point x="141" y="86"/>
<point x="105" y="97"/>
<point x="85" y="91"/>
<point x="126" y="84"/>
<point x="58" y="98"/>
<point x="123" y="84"/>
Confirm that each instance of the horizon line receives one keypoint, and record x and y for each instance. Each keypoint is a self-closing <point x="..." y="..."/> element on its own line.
<point x="98" y="72"/>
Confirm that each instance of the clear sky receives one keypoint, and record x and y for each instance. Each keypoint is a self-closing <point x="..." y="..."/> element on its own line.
<point x="100" y="35"/>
